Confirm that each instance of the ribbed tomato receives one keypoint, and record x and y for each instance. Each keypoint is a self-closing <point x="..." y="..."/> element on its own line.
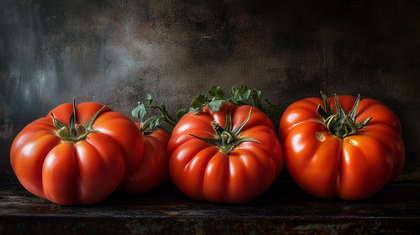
<point x="347" y="147"/>
<point x="226" y="156"/>
<point x="76" y="155"/>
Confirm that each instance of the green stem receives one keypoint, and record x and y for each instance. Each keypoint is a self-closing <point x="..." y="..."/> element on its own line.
<point x="74" y="132"/>
<point x="341" y="124"/>
<point x="168" y="119"/>
<point x="224" y="145"/>
<point x="153" y="122"/>
<point x="226" y="139"/>
<point x="155" y="119"/>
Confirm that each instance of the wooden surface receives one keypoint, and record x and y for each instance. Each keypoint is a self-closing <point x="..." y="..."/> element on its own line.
<point x="283" y="209"/>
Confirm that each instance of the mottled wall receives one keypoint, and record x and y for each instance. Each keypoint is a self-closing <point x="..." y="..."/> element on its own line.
<point x="115" y="52"/>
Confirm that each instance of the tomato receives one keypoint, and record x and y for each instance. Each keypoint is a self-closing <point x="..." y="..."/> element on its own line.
<point x="80" y="161"/>
<point x="342" y="159"/>
<point x="153" y="170"/>
<point x="226" y="156"/>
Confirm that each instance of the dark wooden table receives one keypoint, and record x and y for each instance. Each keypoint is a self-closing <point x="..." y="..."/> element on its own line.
<point x="283" y="209"/>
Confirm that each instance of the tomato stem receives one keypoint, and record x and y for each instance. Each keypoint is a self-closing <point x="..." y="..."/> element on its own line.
<point x="341" y="124"/>
<point x="226" y="139"/>
<point x="167" y="118"/>
<point x="74" y="132"/>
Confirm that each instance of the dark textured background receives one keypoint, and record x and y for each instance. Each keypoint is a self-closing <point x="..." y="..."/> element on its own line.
<point x="115" y="52"/>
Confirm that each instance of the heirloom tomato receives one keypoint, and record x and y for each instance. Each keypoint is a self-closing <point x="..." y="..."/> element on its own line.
<point x="343" y="147"/>
<point x="76" y="155"/>
<point x="226" y="156"/>
<point x="153" y="170"/>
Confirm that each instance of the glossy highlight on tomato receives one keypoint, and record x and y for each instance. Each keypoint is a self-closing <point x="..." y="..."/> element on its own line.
<point x="80" y="162"/>
<point x="349" y="159"/>
<point x="226" y="156"/>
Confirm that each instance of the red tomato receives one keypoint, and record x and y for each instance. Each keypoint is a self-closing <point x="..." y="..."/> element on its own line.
<point x="349" y="167"/>
<point x="234" y="171"/>
<point x="76" y="171"/>
<point x="153" y="170"/>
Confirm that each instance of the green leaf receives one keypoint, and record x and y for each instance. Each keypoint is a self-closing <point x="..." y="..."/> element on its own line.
<point x="195" y="110"/>
<point x="149" y="99"/>
<point x="273" y="112"/>
<point x="181" y="113"/>
<point x="255" y="96"/>
<point x="353" y="111"/>
<point x="234" y="91"/>
<point x="218" y="128"/>
<point x="237" y="103"/>
<point x="144" y="125"/>
<point x="322" y="113"/>
<point x="155" y="122"/>
<point x="57" y="123"/>
<point x="199" y="101"/>
<point x="89" y="124"/>
<point x="340" y="112"/>
<point x="239" y="128"/>
<point x="228" y="126"/>
<point x="240" y="94"/>
<point x="217" y="92"/>
<point x="208" y="140"/>
<point x="215" y="105"/>
<point x="363" y="123"/>
<point x="245" y="139"/>
<point x="139" y="112"/>
<point x="328" y="109"/>
<point x="72" y="120"/>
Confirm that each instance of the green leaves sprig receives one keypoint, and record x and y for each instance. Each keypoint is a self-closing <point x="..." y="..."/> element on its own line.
<point x="239" y="96"/>
<point x="155" y="121"/>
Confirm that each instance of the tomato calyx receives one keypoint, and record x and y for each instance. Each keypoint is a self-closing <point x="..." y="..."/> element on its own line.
<point x="226" y="138"/>
<point x="341" y="124"/>
<point x="74" y="132"/>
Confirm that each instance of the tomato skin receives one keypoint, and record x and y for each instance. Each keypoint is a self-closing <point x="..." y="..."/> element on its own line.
<point x="351" y="168"/>
<point x="202" y="171"/>
<point x="153" y="170"/>
<point x="82" y="172"/>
